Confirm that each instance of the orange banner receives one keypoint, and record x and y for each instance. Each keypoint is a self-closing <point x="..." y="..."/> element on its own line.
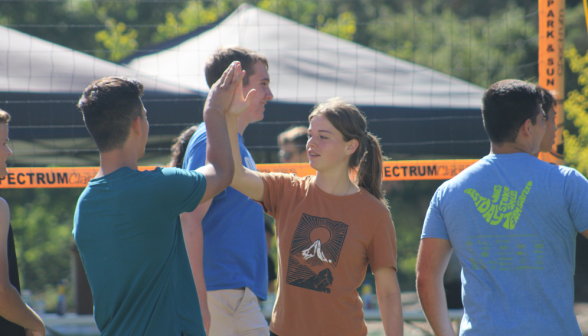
<point x="54" y="177"/>
<point x="551" y="66"/>
<point x="79" y="177"/>
<point x="392" y="170"/>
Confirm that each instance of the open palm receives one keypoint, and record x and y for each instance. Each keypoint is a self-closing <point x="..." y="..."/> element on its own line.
<point x="221" y="93"/>
<point x="240" y="103"/>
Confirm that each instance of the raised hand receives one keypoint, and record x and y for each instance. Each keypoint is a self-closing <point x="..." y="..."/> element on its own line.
<point x="240" y="104"/>
<point x="221" y="93"/>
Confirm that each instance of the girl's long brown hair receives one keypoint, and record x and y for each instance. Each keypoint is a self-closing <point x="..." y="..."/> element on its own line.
<point x="180" y="145"/>
<point x="367" y="160"/>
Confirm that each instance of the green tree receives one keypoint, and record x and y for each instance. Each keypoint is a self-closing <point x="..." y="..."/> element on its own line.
<point x="481" y="50"/>
<point x="344" y="26"/>
<point x="575" y="106"/>
<point x="409" y="201"/>
<point x="120" y="40"/>
<point x="194" y="15"/>
<point x="42" y="223"/>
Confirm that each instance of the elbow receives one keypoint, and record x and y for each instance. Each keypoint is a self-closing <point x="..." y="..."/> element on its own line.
<point x="227" y="176"/>
<point x="230" y="174"/>
<point x="425" y="281"/>
<point x="5" y="289"/>
<point x="420" y="282"/>
<point x="422" y="279"/>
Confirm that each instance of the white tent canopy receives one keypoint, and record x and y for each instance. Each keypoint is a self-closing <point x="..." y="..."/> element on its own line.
<point x="40" y="84"/>
<point x="308" y="66"/>
<point x="31" y="65"/>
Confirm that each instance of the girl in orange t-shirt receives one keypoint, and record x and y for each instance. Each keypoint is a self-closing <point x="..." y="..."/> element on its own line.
<point x="329" y="228"/>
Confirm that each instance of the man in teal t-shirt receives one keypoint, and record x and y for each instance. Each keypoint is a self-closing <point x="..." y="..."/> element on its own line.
<point x="126" y="224"/>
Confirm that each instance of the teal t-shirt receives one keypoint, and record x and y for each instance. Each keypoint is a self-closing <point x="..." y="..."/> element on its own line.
<point x="129" y="235"/>
<point x="512" y="220"/>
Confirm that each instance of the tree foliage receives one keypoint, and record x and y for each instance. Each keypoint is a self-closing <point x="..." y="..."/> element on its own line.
<point x="120" y="40"/>
<point x="42" y="221"/>
<point x="575" y="106"/>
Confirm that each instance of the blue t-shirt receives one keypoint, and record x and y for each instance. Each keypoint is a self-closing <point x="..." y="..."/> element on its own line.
<point x="235" y="250"/>
<point x="129" y="235"/>
<point x="512" y="220"/>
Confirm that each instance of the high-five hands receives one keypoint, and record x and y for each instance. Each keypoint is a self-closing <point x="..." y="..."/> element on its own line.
<point x="240" y="103"/>
<point x="221" y="93"/>
<point x="226" y="95"/>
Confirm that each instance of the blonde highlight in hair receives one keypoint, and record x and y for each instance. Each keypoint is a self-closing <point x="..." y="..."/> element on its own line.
<point x="4" y="117"/>
<point x="367" y="160"/>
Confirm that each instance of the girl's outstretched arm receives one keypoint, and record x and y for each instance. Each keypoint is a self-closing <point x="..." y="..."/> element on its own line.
<point x="244" y="180"/>
<point x="388" y="293"/>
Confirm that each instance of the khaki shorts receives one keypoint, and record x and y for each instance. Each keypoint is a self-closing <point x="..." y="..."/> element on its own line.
<point x="235" y="312"/>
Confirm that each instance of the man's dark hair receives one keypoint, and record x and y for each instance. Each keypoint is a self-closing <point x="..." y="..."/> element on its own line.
<point x="220" y="61"/>
<point x="297" y="135"/>
<point x="507" y="105"/>
<point x="549" y="102"/>
<point x="109" y="106"/>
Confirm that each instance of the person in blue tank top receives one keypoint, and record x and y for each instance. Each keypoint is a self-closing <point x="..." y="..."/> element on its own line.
<point x="225" y="237"/>
<point x="512" y="220"/>
<point x="126" y="224"/>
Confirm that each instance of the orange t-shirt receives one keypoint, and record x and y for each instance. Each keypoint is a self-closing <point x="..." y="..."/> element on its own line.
<point x="325" y="243"/>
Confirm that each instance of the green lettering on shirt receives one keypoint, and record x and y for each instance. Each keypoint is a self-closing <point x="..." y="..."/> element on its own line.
<point x="504" y="206"/>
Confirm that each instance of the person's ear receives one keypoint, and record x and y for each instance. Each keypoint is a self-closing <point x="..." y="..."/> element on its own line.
<point x="525" y="129"/>
<point x="136" y="126"/>
<point x="351" y="146"/>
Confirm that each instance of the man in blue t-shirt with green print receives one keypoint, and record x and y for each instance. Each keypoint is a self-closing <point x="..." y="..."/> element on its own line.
<point x="512" y="221"/>
<point x="126" y="224"/>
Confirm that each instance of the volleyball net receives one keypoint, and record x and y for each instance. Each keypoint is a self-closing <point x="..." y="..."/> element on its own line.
<point x="417" y="69"/>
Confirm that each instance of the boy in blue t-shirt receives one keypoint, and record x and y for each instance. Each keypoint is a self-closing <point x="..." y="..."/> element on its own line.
<point x="512" y="220"/>
<point x="126" y="224"/>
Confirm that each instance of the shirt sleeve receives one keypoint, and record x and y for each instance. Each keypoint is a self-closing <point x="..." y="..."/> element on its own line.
<point x="434" y="226"/>
<point x="186" y="188"/>
<point x="196" y="152"/>
<point x="382" y="249"/>
<point x="576" y="193"/>
<point x="274" y="186"/>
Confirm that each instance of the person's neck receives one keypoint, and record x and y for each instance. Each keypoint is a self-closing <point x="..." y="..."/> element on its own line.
<point x="242" y="124"/>
<point x="116" y="159"/>
<point x="510" y="148"/>
<point x="336" y="182"/>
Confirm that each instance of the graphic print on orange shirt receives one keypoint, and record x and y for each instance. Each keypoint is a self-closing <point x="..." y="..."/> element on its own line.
<point x="315" y="250"/>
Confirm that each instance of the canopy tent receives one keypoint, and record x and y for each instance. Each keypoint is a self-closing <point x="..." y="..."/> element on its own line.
<point x="40" y="84"/>
<point x="414" y="109"/>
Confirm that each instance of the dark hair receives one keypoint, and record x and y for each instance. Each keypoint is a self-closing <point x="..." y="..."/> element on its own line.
<point x="367" y="160"/>
<point x="109" y="106"/>
<point x="506" y="106"/>
<point x="549" y="102"/>
<point x="297" y="135"/>
<point x="220" y="61"/>
<point x="4" y="117"/>
<point x="178" y="149"/>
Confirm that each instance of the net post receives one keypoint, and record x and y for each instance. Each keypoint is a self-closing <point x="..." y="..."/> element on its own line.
<point x="551" y="67"/>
